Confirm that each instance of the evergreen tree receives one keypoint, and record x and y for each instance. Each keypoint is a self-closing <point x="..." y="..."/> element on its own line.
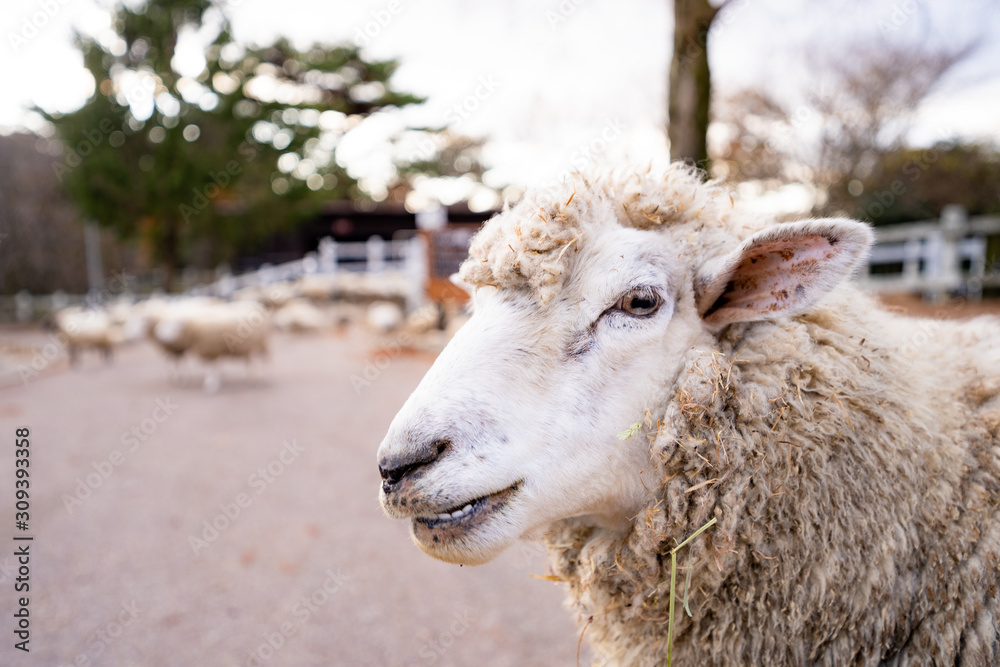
<point x="207" y="164"/>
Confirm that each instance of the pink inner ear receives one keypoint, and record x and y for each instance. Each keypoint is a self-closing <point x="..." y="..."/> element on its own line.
<point x="773" y="276"/>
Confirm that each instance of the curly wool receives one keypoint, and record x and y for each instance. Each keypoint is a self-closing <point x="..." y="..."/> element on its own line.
<point x="856" y="485"/>
<point x="531" y="245"/>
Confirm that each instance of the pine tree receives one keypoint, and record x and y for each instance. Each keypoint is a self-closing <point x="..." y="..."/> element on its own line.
<point x="210" y="163"/>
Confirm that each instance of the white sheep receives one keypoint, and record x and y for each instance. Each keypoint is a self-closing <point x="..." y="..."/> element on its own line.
<point x="212" y="331"/>
<point x="317" y="287"/>
<point x="367" y="287"/>
<point x="83" y="328"/>
<point x="273" y="296"/>
<point x="146" y="315"/>
<point x="384" y="316"/>
<point x="299" y="316"/>
<point x="644" y="358"/>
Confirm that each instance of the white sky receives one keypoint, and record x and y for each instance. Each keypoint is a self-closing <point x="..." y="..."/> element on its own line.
<point x="602" y="66"/>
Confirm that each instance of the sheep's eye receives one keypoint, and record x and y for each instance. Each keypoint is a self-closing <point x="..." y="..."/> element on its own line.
<point x="639" y="303"/>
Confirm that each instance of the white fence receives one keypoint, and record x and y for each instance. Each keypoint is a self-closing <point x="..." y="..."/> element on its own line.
<point x="407" y="256"/>
<point x="934" y="257"/>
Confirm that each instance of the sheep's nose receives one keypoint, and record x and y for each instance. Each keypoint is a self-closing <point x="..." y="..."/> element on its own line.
<point x="394" y="468"/>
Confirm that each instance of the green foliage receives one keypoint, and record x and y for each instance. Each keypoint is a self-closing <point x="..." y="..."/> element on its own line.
<point x="191" y="164"/>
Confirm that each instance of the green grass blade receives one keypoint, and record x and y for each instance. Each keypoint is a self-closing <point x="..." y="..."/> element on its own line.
<point x="696" y="533"/>
<point x="673" y="585"/>
<point x="687" y="585"/>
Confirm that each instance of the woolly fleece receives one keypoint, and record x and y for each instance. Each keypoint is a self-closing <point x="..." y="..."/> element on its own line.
<point x="850" y="455"/>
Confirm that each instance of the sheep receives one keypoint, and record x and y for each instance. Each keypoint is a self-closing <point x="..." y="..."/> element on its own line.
<point x="644" y="358"/>
<point x="148" y="314"/>
<point x="384" y="316"/>
<point x="317" y="287"/>
<point x="83" y="328"/>
<point x="299" y="316"/>
<point x="273" y="296"/>
<point x="212" y="331"/>
<point x="431" y="326"/>
<point x="368" y="287"/>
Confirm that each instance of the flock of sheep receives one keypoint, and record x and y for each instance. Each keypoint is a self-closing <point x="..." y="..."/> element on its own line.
<point x="211" y="329"/>
<point x="650" y="368"/>
<point x="734" y="456"/>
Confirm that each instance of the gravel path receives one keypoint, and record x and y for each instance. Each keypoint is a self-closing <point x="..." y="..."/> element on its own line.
<point x="127" y="467"/>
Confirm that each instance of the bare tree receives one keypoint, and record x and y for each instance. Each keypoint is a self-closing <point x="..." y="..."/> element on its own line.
<point x="860" y="110"/>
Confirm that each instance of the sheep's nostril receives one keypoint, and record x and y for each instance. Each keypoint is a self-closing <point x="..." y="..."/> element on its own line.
<point x="394" y="469"/>
<point x="392" y="476"/>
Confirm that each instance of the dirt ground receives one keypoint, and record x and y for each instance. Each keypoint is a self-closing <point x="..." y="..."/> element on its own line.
<point x="174" y="527"/>
<point x="955" y="309"/>
<point x="129" y="469"/>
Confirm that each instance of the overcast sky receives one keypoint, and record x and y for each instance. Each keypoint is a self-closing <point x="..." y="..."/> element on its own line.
<point x="541" y="78"/>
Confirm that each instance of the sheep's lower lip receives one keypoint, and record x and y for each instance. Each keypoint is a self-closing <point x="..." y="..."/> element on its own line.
<point x="467" y="514"/>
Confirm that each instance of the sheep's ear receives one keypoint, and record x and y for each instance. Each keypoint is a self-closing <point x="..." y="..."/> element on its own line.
<point x="781" y="270"/>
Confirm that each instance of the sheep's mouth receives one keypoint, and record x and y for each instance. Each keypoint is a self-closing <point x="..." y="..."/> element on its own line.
<point x="463" y="516"/>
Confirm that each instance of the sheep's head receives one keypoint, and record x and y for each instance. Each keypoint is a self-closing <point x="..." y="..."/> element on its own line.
<point x="584" y="314"/>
